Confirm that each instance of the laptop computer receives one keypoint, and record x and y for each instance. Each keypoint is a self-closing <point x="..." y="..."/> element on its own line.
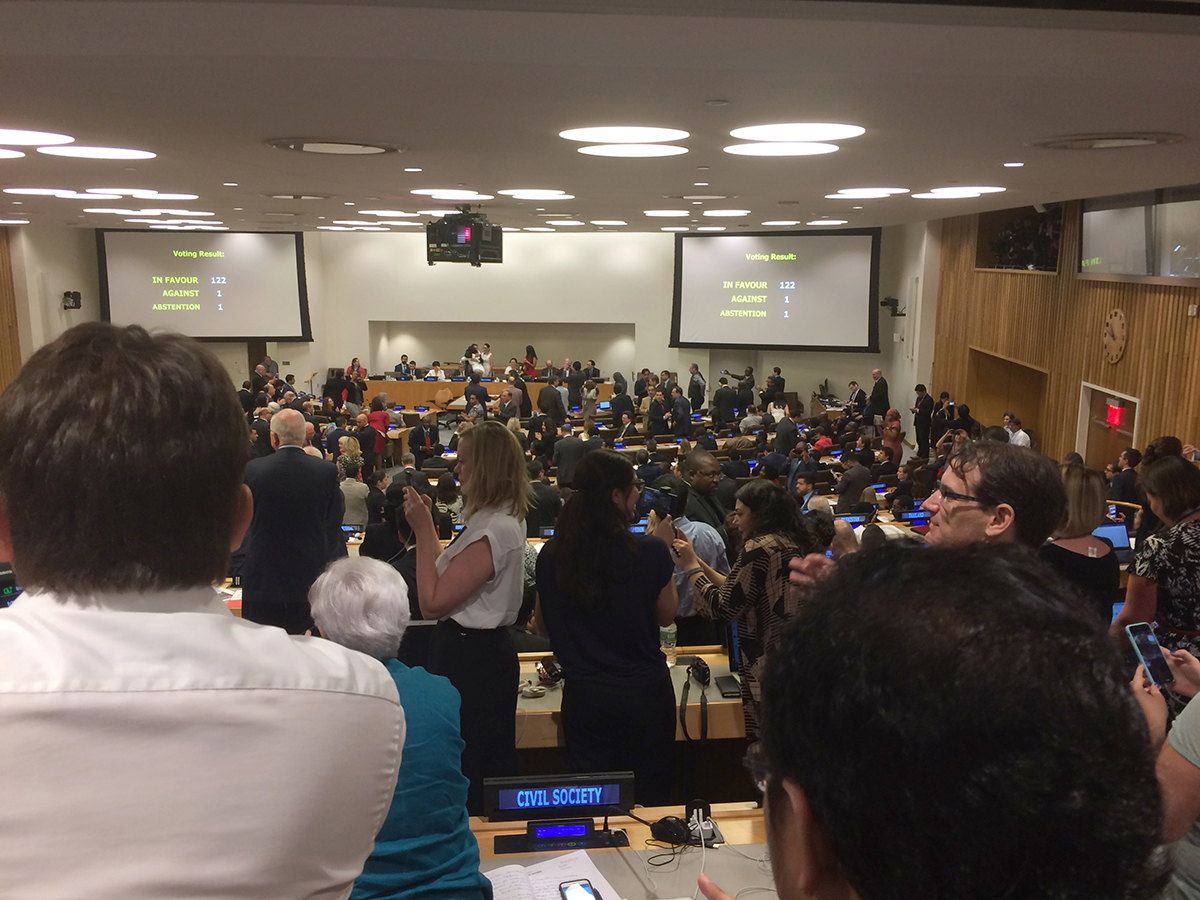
<point x="1116" y="535"/>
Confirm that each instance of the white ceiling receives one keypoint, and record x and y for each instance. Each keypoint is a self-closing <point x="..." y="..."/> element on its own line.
<point x="477" y="93"/>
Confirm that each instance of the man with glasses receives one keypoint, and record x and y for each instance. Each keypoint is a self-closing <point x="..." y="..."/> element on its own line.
<point x="902" y="756"/>
<point x="995" y="493"/>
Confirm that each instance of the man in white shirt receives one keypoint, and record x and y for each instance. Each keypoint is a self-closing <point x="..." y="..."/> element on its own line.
<point x="153" y="744"/>
<point x="1015" y="434"/>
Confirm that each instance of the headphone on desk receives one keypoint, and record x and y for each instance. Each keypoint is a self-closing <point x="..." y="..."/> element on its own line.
<point x="700" y="672"/>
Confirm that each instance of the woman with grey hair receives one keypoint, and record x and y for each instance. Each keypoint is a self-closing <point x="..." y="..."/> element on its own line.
<point x="425" y="847"/>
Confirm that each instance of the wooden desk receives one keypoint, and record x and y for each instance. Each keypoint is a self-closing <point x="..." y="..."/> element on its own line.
<point x="539" y="721"/>
<point x="740" y="823"/>
<point x="411" y="394"/>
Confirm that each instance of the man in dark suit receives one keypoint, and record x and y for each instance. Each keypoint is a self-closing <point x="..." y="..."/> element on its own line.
<point x="258" y="381"/>
<point x="568" y="451"/>
<point x="550" y="404"/>
<point x="590" y="371"/>
<point x="626" y="428"/>
<point x="545" y="502"/>
<point x="410" y="475"/>
<point x="641" y="386"/>
<point x="780" y="382"/>
<point x="246" y="398"/>
<point x="857" y="401"/>
<point x="854" y="480"/>
<point x="724" y="399"/>
<point x="702" y="473"/>
<point x="339" y="431"/>
<point x="296" y="529"/>
<point x="745" y="390"/>
<point x="1123" y="487"/>
<point x="621" y="403"/>
<point x="878" y="403"/>
<point x="648" y="470"/>
<point x="696" y="387"/>
<point x="681" y="412"/>
<point x="575" y="379"/>
<point x="367" y="436"/>
<point x="787" y="433"/>
<point x="922" y="412"/>
<point x="736" y="467"/>
<point x="421" y="441"/>
<point x="594" y="441"/>
<point x="666" y="383"/>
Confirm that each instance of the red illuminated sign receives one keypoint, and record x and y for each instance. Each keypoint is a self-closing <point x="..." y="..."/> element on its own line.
<point x="1116" y="416"/>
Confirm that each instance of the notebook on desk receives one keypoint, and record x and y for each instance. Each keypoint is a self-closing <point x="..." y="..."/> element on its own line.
<point x="541" y="882"/>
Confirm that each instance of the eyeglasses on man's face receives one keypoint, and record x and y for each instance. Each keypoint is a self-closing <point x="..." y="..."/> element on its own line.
<point x="948" y="494"/>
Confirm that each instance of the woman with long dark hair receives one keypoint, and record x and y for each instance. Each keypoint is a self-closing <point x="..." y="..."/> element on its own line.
<point x="603" y="593"/>
<point x="530" y="363"/>
<point x="756" y="594"/>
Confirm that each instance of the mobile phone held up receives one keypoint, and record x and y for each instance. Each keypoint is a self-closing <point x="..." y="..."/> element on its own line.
<point x="577" y="890"/>
<point x="1149" y="653"/>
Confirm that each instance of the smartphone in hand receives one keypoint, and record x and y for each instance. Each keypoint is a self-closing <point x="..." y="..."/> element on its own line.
<point x="1149" y="653"/>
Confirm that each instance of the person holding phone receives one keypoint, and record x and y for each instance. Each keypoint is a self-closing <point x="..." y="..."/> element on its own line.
<point x="473" y="588"/>
<point x="1164" y="580"/>
<point x="603" y="594"/>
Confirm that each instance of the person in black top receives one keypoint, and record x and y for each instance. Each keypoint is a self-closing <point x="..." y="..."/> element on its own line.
<point x="667" y="383"/>
<point x="968" y="424"/>
<point x="878" y="403"/>
<point x="1123" y="486"/>
<point x="943" y="418"/>
<point x="549" y="402"/>
<point x="544" y="501"/>
<point x="603" y="594"/>
<point x="745" y="390"/>
<point x="648" y="470"/>
<point x="1160" y="447"/>
<point x="681" y="412"/>
<point x="377" y="481"/>
<point x="640" y="385"/>
<point x="246" y="398"/>
<point x="702" y="437"/>
<point x="334" y="387"/>
<point x="620" y="403"/>
<point x="625" y="427"/>
<point x="381" y="540"/>
<point x="780" y="381"/>
<point x="736" y="467"/>
<point x="366" y="442"/>
<point x="526" y="401"/>
<point x="922" y="411"/>
<point x="574" y="380"/>
<point x="590" y="371"/>
<point x="477" y="390"/>
<point x="721" y="408"/>
<point x="658" y="414"/>
<point x="1087" y="561"/>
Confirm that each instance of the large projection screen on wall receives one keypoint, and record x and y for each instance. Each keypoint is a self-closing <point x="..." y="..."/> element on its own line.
<point x="780" y="290"/>
<point x="218" y="286"/>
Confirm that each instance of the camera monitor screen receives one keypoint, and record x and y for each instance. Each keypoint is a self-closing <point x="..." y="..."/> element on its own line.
<point x="799" y="291"/>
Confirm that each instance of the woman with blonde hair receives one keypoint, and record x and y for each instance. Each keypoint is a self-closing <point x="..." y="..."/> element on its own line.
<point x="349" y="456"/>
<point x="474" y="588"/>
<point x="1086" y="561"/>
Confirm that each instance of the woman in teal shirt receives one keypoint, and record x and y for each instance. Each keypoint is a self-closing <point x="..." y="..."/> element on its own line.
<point x="425" y="847"/>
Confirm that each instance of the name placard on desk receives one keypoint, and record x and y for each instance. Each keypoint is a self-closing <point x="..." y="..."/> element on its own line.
<point x="556" y="796"/>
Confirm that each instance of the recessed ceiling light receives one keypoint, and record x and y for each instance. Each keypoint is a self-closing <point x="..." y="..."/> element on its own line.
<point x="177" y="221"/>
<point x="239" y="209"/>
<point x="141" y="194"/>
<point x="1013" y="165"/>
<point x="538" y="228"/>
<point x="335" y="148"/>
<point x="630" y="151"/>
<point x="74" y="150"/>
<point x="188" y="213"/>
<point x="453" y="194"/>
<point x="14" y="221"/>
<point x="798" y="132"/>
<point x="564" y="222"/>
<point x="411" y="169"/>
<point x="699" y="184"/>
<point x="623" y="134"/>
<point x="61" y="193"/>
<point x="781" y="148"/>
<point x="509" y="228"/>
<point x="782" y="222"/>
<point x="230" y="184"/>
<point x="536" y="194"/>
<point x="11" y="154"/>
<point x="726" y="213"/>
<point x="401" y="222"/>
<point x="437" y="212"/>
<point x="695" y="203"/>
<point x="957" y="193"/>
<point x="347" y="203"/>
<point x="666" y="212"/>
<point x="609" y="222"/>
<point x="22" y="138"/>
<point x="350" y="222"/>
<point x="716" y="102"/>
<point x="298" y="196"/>
<point x="705" y="197"/>
<point x="18" y="203"/>
<point x="395" y="213"/>
<point x="333" y="228"/>
<point x="711" y="228"/>
<point x="856" y="207"/>
<point x="1108" y="141"/>
<point x="674" y="228"/>
<point x="827" y="222"/>
<point x="191" y="227"/>
<point x="871" y="193"/>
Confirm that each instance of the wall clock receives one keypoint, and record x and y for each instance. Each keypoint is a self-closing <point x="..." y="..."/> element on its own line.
<point x="1115" y="333"/>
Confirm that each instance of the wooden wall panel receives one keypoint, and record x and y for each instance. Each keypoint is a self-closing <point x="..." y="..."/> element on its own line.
<point x="1055" y="322"/>
<point x="10" y="345"/>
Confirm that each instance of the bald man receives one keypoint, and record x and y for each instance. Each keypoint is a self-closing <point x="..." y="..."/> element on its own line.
<point x="295" y="531"/>
<point x="368" y="438"/>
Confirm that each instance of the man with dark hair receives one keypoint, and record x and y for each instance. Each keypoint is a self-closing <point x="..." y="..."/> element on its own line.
<point x="590" y="371"/>
<point x="550" y="402"/>
<point x="856" y="403"/>
<point x="1017" y="435"/>
<point x="922" y="410"/>
<point x="667" y="383"/>
<point x="805" y="488"/>
<point x="787" y="432"/>
<point x="246" y="398"/>
<point x="477" y="390"/>
<point x="702" y="473"/>
<point x="376" y="498"/>
<point x="998" y="434"/>
<point x="949" y="765"/>
<point x="851" y="483"/>
<point x="648" y="469"/>
<point x="1123" y="486"/>
<point x="995" y="493"/>
<point x="143" y="725"/>
<point x="568" y="451"/>
<point x="545" y="502"/>
<point x="681" y="413"/>
<point x="296" y="529"/>
<point x="737" y="467"/>
<point x="621" y="403"/>
<point x="575" y="380"/>
<point x="724" y="399"/>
